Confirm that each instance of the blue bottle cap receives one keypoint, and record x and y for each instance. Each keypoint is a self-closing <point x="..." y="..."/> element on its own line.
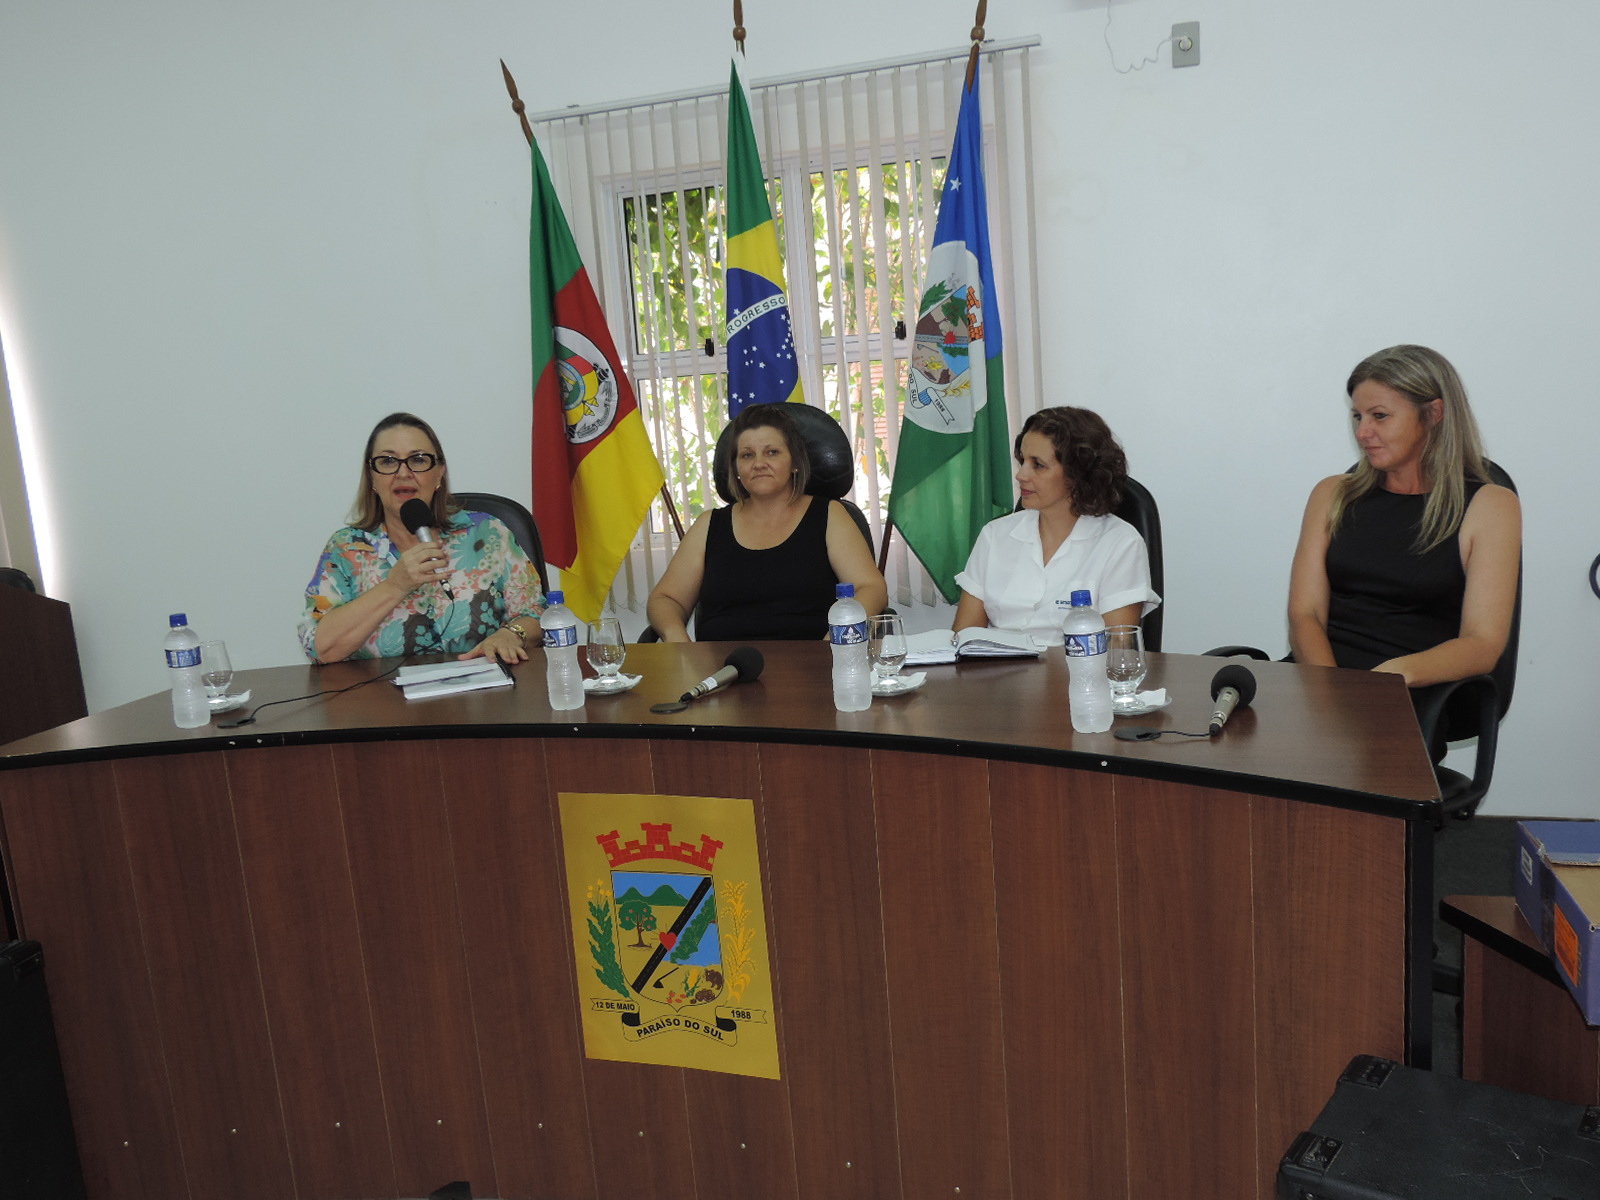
<point x="555" y="597"/>
<point x="1080" y="599"/>
<point x="177" y="619"/>
<point x="841" y="590"/>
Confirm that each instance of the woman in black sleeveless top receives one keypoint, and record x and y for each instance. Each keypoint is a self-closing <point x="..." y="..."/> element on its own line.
<point x="764" y="568"/>
<point x="1409" y="563"/>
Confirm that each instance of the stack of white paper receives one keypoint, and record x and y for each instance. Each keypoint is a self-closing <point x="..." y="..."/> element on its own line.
<point x="446" y="679"/>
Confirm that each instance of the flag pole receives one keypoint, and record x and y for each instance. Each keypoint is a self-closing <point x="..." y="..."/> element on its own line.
<point x="738" y="26"/>
<point x="977" y="41"/>
<point x="521" y="109"/>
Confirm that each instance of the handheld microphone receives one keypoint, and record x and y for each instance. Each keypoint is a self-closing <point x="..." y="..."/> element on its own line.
<point x="418" y="518"/>
<point x="743" y="664"/>
<point x="1232" y="687"/>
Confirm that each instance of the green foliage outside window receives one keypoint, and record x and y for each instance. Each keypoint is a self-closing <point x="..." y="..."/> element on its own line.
<point x="675" y="247"/>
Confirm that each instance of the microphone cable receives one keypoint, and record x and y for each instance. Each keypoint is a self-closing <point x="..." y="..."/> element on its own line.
<point x="250" y="718"/>
<point x="1150" y="735"/>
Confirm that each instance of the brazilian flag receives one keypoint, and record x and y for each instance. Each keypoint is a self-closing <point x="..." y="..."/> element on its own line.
<point x="763" y="367"/>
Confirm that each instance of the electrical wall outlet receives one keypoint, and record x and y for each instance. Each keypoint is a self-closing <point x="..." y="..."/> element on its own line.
<point x="1186" y="44"/>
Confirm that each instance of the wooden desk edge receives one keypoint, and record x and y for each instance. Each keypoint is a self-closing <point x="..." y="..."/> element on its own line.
<point x="1498" y="923"/>
<point x="1376" y="804"/>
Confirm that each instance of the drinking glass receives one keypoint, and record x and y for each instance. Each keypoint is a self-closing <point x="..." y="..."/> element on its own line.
<point x="886" y="646"/>
<point x="1125" y="667"/>
<point x="606" y="650"/>
<point x="216" y="672"/>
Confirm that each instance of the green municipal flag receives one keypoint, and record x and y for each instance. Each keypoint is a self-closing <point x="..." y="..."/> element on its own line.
<point x="952" y="472"/>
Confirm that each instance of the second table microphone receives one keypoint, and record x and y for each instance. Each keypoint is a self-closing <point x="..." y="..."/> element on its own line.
<point x="743" y="664"/>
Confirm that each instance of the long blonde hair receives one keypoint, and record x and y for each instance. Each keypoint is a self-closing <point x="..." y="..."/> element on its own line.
<point x="1452" y="453"/>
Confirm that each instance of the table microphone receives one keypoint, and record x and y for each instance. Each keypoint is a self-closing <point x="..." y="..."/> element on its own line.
<point x="743" y="664"/>
<point x="1232" y="687"/>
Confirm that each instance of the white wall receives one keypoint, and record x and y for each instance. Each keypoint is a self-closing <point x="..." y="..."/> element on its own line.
<point x="232" y="237"/>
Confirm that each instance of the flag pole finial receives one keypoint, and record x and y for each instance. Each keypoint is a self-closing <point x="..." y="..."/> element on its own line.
<point x="738" y="25"/>
<point x="517" y="106"/>
<point x="977" y="40"/>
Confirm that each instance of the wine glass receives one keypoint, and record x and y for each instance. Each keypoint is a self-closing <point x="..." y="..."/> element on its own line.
<point x="1125" y="668"/>
<point x="216" y="671"/>
<point x="886" y="647"/>
<point x="606" y="649"/>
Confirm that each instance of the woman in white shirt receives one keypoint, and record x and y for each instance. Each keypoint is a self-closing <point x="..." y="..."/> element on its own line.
<point x="1025" y="566"/>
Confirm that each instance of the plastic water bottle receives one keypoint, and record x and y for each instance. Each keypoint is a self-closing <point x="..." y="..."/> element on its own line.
<point x="847" y="630"/>
<point x="562" y="675"/>
<point x="190" y="710"/>
<point x="1089" y="692"/>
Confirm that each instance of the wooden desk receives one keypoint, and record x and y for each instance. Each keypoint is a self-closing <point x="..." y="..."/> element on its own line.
<point x="1009" y="959"/>
<point x="1521" y="1028"/>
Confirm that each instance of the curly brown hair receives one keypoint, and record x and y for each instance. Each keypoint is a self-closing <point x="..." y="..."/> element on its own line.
<point x="1093" y="460"/>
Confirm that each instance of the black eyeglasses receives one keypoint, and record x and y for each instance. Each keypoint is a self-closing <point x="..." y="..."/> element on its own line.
<point x="388" y="464"/>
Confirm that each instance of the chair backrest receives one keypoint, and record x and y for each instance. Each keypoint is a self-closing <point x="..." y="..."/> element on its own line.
<point x="514" y="517"/>
<point x="833" y="468"/>
<point x="1505" y="671"/>
<point x="16" y="577"/>
<point x="1138" y="508"/>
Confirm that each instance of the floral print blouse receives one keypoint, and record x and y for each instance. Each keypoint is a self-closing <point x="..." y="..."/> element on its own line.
<point x="490" y="581"/>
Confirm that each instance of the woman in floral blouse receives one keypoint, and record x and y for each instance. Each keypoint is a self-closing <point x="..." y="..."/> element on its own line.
<point x="378" y="591"/>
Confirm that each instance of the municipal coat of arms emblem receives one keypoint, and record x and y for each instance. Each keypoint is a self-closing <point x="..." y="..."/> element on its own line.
<point x="949" y="339"/>
<point x="671" y="949"/>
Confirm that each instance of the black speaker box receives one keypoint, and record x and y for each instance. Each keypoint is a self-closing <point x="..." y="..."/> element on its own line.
<point x="1395" y="1133"/>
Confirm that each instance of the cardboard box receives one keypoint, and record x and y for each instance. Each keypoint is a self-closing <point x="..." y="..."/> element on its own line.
<point x="1558" y="891"/>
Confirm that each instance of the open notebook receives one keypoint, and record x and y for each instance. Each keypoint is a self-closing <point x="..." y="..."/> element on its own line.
<point x="941" y="646"/>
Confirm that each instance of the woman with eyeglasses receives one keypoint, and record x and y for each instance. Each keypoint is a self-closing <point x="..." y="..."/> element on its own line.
<point x="378" y="591"/>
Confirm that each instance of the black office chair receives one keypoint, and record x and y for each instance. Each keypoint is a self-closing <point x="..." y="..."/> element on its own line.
<point x="833" y="469"/>
<point x="1138" y="508"/>
<point x="1473" y="707"/>
<point x="515" y="518"/>
<point x="1461" y="709"/>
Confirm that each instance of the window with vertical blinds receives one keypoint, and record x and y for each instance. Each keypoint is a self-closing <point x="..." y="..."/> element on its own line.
<point x="855" y="163"/>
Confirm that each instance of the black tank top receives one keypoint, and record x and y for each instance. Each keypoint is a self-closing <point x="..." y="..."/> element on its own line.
<point x="1385" y="599"/>
<point x="779" y="594"/>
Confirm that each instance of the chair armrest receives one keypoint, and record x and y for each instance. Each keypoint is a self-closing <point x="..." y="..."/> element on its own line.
<point x="1238" y="652"/>
<point x="1474" y="703"/>
<point x="1457" y="709"/>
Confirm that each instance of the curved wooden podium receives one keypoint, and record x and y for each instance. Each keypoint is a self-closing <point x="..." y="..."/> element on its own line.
<point x="327" y="956"/>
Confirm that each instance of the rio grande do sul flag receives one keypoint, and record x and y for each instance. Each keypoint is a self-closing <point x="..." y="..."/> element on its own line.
<point x="952" y="473"/>
<point x="594" y="472"/>
<point x="763" y="367"/>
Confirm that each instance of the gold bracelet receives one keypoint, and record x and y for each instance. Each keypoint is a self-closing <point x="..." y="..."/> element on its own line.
<point x="517" y="629"/>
